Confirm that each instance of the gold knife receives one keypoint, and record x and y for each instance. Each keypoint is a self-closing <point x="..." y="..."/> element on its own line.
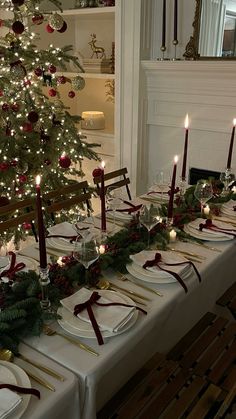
<point x="40" y="380"/>
<point x="78" y="343"/>
<point x="43" y="368"/>
<point x="140" y="285"/>
<point x="135" y="294"/>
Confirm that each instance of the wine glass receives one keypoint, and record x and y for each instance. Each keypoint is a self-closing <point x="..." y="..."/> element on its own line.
<point x="226" y="178"/>
<point x="114" y="200"/>
<point x="87" y="250"/>
<point x="162" y="182"/>
<point x="149" y="217"/>
<point x="203" y="192"/>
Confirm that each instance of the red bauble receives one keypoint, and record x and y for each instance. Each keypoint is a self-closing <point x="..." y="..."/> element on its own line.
<point x="4" y="166"/>
<point x="52" y="69"/>
<point x="20" y="191"/>
<point x="64" y="27"/>
<point x="49" y="29"/>
<point x="18" y="27"/>
<point x="65" y="161"/>
<point x="1" y="93"/>
<point x="71" y="94"/>
<point x="52" y="92"/>
<point x="15" y="107"/>
<point x="18" y="2"/>
<point x="47" y="162"/>
<point x="27" y="83"/>
<point x="61" y="80"/>
<point x="5" y="107"/>
<point x="26" y="226"/>
<point x="33" y="116"/>
<point x="1" y="23"/>
<point x="38" y="72"/>
<point x="97" y="172"/>
<point x="22" y="178"/>
<point x="8" y="131"/>
<point x="27" y="127"/>
<point x="13" y="163"/>
<point x="4" y="201"/>
<point x="38" y="19"/>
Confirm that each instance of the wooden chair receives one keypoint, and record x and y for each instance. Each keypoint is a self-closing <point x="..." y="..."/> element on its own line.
<point x="109" y="180"/>
<point x="228" y="299"/>
<point x="195" y="380"/>
<point x="9" y="217"/>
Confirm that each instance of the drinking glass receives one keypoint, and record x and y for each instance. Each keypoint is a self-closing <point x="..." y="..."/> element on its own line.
<point x="114" y="201"/>
<point x="149" y="217"/>
<point x="203" y="192"/>
<point x="226" y="178"/>
<point x="162" y="182"/>
<point x="87" y="250"/>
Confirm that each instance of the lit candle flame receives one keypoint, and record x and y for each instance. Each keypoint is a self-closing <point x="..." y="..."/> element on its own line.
<point x="103" y="164"/>
<point x="186" y="124"/>
<point x="176" y="159"/>
<point x="38" y="180"/>
<point x="234" y="121"/>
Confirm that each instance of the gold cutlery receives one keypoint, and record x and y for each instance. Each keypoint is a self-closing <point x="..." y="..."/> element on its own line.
<point x="41" y="367"/>
<point x="105" y="285"/>
<point x="225" y="221"/>
<point x="7" y="355"/>
<point x="214" y="249"/>
<point x="198" y="258"/>
<point x="135" y="294"/>
<point x="50" y="332"/>
<point x="122" y="277"/>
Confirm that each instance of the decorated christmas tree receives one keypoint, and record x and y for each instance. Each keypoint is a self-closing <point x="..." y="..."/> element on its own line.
<point x="38" y="135"/>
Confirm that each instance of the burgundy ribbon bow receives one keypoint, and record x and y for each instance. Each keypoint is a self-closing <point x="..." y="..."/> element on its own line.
<point x="157" y="261"/>
<point x="133" y="208"/>
<point x="208" y="225"/>
<point x="70" y="238"/>
<point x="23" y="390"/>
<point x="88" y="306"/>
<point x="10" y="273"/>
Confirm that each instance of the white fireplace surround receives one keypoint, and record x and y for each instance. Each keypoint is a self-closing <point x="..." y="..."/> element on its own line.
<point x="206" y="90"/>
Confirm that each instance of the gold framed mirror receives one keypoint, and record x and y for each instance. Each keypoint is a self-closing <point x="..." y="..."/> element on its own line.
<point x="214" y="31"/>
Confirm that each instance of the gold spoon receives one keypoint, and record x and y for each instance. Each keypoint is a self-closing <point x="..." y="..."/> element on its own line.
<point x="103" y="284"/>
<point x="7" y="355"/>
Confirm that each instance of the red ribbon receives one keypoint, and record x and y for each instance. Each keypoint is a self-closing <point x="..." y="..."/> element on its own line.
<point x="210" y="226"/>
<point x="70" y="238"/>
<point x="14" y="268"/>
<point x="134" y="208"/>
<point x="158" y="260"/>
<point x="23" y="390"/>
<point x="88" y="306"/>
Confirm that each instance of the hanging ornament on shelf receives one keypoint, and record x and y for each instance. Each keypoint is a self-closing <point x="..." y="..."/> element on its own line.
<point x="78" y="83"/>
<point x="64" y="161"/>
<point x="56" y="21"/>
<point x="18" y="27"/>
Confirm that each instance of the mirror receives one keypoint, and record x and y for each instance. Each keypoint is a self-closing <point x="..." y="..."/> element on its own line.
<point x="214" y="30"/>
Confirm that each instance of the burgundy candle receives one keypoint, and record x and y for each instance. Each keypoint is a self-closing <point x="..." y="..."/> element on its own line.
<point x="172" y="190"/>
<point x="185" y="149"/>
<point x="231" y="145"/>
<point x="175" y="20"/>
<point x="42" y="244"/>
<point x="163" y="44"/>
<point x="102" y="198"/>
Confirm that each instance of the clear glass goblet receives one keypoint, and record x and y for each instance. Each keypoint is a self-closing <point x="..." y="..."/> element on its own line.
<point x="203" y="192"/>
<point x="162" y="182"/>
<point x="114" y="201"/>
<point x="87" y="251"/>
<point x="226" y="178"/>
<point x="149" y="217"/>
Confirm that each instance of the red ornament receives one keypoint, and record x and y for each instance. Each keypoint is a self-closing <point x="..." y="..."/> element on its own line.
<point x="38" y="19"/>
<point x="33" y="116"/>
<point x="61" y="80"/>
<point x="47" y="162"/>
<point x="27" y="127"/>
<point x="71" y="94"/>
<point x="49" y="29"/>
<point x="4" y="166"/>
<point x="20" y="191"/>
<point x="26" y="226"/>
<point x="1" y="23"/>
<point x="4" y="201"/>
<point x="8" y="131"/>
<point x="52" y="69"/>
<point x="64" y="27"/>
<point x="52" y="92"/>
<point x="38" y="72"/>
<point x="64" y="161"/>
<point x="22" y="178"/>
<point x="15" y="107"/>
<point x="18" y="27"/>
<point x="13" y="163"/>
<point x="1" y="93"/>
<point x="27" y="83"/>
<point x="97" y="172"/>
<point x="5" y="107"/>
<point x="17" y="2"/>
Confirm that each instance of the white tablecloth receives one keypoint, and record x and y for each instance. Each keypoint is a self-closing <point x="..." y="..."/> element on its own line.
<point x="169" y="317"/>
<point x="61" y="404"/>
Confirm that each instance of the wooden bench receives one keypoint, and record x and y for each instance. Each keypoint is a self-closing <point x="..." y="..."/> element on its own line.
<point x="196" y="379"/>
<point x="228" y="299"/>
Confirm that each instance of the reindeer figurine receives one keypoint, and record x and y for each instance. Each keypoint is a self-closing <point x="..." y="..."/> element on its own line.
<point x="98" y="51"/>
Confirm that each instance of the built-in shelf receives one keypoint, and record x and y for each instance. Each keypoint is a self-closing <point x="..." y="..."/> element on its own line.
<point x="104" y="76"/>
<point x="103" y="133"/>
<point x="98" y="12"/>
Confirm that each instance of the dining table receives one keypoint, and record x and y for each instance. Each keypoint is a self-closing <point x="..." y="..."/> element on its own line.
<point x="169" y="316"/>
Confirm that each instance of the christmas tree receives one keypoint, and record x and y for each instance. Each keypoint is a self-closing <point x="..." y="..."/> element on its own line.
<point x="38" y="135"/>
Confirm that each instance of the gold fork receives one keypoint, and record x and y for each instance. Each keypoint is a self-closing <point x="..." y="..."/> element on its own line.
<point x="122" y="277"/>
<point x="50" y="332"/>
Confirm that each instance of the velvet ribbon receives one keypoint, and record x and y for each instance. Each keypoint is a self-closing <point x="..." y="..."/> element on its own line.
<point x="88" y="306"/>
<point x="157" y="261"/>
<point x="133" y="208"/>
<point x="21" y="390"/>
<point x="70" y="238"/>
<point x="14" y="268"/>
<point x="208" y="225"/>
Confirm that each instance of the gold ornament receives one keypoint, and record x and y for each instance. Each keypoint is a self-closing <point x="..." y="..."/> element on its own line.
<point x="56" y="21"/>
<point x="10" y="37"/>
<point x="78" y="83"/>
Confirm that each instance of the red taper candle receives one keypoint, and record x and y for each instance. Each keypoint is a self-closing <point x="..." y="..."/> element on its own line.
<point x="102" y="198"/>
<point x="42" y="243"/>
<point x="175" y="20"/>
<point x="163" y="42"/>
<point x="183" y="175"/>
<point x="231" y="145"/>
<point x="172" y="190"/>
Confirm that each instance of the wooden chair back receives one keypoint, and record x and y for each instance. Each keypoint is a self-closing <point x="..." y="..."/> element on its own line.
<point x="10" y="211"/>
<point x="109" y="180"/>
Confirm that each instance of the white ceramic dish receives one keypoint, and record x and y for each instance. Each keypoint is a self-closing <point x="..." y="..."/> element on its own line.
<point x="147" y="276"/>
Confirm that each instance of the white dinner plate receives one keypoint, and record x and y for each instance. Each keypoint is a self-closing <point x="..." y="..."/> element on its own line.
<point x="30" y="264"/>
<point x="148" y="276"/>
<point x="21" y="379"/>
<point x="60" y="244"/>
<point x="204" y="236"/>
<point x="120" y="216"/>
<point x="78" y="327"/>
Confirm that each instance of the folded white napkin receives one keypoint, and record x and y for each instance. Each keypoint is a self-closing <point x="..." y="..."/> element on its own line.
<point x="111" y="318"/>
<point x="8" y="402"/>
<point x="167" y="257"/>
<point x="63" y="229"/>
<point x="208" y="232"/>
